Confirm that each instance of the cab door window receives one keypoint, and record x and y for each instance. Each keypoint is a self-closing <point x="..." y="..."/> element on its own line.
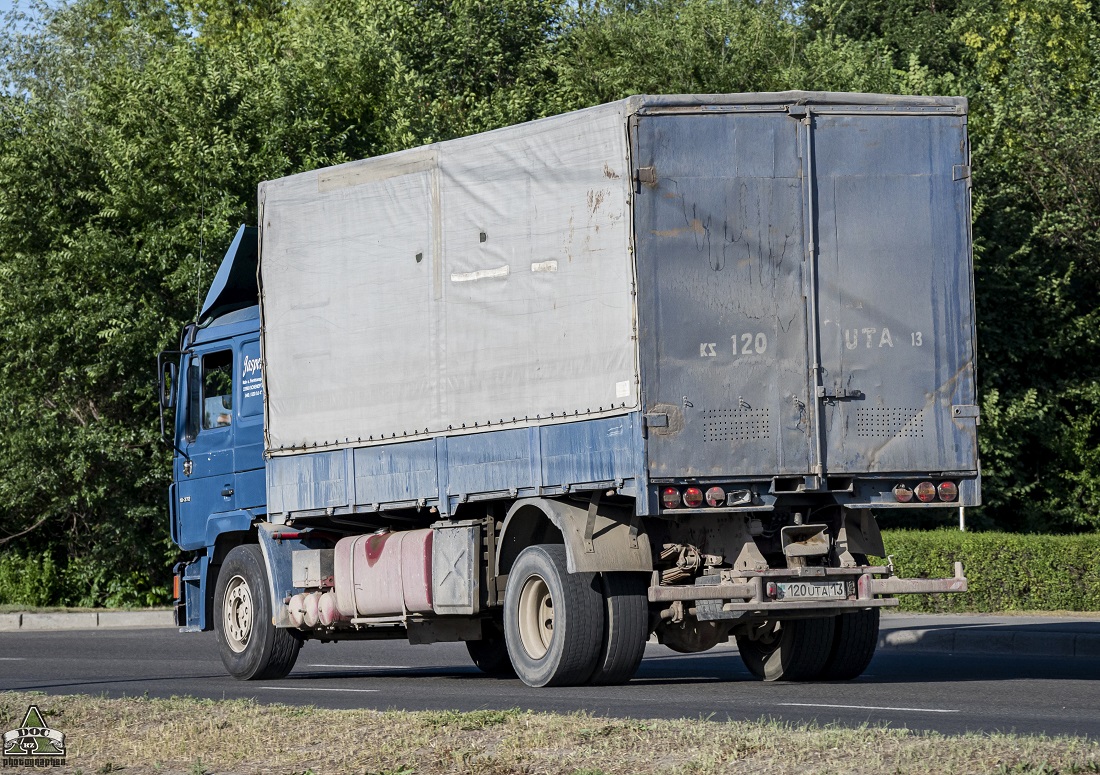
<point x="217" y="389"/>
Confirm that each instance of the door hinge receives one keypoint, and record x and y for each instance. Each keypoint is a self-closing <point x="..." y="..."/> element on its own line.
<point x="960" y="172"/>
<point x="966" y="411"/>
<point x="656" y="420"/>
<point x="646" y="176"/>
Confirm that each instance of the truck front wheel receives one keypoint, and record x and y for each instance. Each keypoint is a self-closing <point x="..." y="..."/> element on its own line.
<point x="553" y="620"/>
<point x="251" y="646"/>
<point x="788" y="650"/>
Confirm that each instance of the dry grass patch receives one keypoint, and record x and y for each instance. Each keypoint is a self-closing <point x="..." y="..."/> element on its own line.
<point x="190" y="736"/>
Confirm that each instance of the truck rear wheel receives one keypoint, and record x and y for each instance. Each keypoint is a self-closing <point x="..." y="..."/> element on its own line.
<point x="553" y="619"/>
<point x="627" y="608"/>
<point x="251" y="646"/>
<point x="789" y="650"/>
<point x="855" y="638"/>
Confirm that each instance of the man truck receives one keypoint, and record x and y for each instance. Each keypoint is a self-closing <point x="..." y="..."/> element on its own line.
<point x="655" y="367"/>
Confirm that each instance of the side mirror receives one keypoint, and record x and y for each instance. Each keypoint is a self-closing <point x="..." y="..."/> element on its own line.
<point x="166" y="390"/>
<point x="167" y="387"/>
<point x="194" y="402"/>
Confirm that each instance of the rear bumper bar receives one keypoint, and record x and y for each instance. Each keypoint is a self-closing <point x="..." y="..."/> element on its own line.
<point x="755" y="591"/>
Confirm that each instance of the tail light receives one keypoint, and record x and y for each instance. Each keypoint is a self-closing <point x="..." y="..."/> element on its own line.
<point x="716" y="496"/>
<point x="902" y="493"/>
<point x="947" y="491"/>
<point x="926" y="492"/>
<point x="670" y="497"/>
<point x="693" y="497"/>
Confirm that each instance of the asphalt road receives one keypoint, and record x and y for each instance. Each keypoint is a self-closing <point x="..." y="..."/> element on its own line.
<point x="915" y="690"/>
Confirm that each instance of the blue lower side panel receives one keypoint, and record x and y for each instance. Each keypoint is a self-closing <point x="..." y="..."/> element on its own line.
<point x="193" y="592"/>
<point x="446" y="471"/>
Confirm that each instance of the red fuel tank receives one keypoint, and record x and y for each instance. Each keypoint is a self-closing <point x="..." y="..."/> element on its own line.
<point x="384" y="574"/>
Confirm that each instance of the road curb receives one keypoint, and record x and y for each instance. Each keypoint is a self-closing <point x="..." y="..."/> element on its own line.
<point x="86" y="620"/>
<point x="1002" y="641"/>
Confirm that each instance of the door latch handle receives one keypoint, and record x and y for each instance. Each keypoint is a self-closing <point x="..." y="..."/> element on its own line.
<point x="227" y="491"/>
<point x="842" y="394"/>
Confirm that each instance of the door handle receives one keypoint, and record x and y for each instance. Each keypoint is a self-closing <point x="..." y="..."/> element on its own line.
<point x="227" y="491"/>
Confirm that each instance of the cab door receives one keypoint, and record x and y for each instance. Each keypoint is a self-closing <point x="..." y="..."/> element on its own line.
<point x="206" y="472"/>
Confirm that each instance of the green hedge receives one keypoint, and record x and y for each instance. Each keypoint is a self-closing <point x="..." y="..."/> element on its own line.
<point x="1007" y="571"/>
<point x="38" y="580"/>
<point x="29" y="581"/>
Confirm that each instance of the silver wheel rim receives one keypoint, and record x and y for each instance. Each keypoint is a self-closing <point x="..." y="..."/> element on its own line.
<point x="237" y="614"/>
<point x="536" y="617"/>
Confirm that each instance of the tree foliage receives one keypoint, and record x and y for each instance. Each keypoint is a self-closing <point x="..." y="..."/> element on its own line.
<point x="133" y="134"/>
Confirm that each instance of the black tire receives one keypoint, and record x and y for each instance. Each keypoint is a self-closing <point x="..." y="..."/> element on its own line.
<point x="855" y="638"/>
<point x="627" y="604"/>
<point x="553" y="619"/>
<point x="790" y="650"/>
<point x="251" y="647"/>
<point x="490" y="654"/>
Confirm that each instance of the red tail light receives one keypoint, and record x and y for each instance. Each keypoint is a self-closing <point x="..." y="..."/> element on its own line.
<point x="926" y="492"/>
<point x="902" y="493"/>
<point x="947" y="491"/>
<point x="670" y="497"/>
<point x="693" y="497"/>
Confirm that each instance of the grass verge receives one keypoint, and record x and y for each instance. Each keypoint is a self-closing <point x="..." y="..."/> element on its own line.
<point x="182" y="735"/>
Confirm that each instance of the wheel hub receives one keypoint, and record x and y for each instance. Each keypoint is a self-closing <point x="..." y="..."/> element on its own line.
<point x="237" y="614"/>
<point x="536" y="617"/>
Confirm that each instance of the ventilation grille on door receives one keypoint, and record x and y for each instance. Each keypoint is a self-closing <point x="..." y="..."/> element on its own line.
<point x="890" y="423"/>
<point x="736" y="425"/>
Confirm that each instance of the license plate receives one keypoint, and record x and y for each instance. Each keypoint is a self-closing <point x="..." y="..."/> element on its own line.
<point x="810" y="590"/>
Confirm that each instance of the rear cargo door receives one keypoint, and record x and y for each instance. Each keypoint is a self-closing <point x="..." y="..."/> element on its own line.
<point x="892" y="297"/>
<point x="722" y="318"/>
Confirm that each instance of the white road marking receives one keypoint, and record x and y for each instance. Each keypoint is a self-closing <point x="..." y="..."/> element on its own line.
<point x="313" y="689"/>
<point x="865" y="707"/>
<point x="13" y="659"/>
<point x="376" y="667"/>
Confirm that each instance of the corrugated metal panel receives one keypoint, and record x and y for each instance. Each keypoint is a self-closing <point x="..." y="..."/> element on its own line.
<point x="384" y="477"/>
<point x="490" y="462"/>
<point x="445" y="471"/>
<point x="596" y="451"/>
<point x="319" y="479"/>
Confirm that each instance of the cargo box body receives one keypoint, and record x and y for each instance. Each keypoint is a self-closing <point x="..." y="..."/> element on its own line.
<point x="766" y="289"/>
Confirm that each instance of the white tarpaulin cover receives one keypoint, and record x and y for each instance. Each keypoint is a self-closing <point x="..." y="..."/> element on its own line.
<point x="482" y="280"/>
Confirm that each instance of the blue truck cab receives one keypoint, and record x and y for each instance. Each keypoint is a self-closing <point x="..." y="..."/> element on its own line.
<point x="218" y="491"/>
